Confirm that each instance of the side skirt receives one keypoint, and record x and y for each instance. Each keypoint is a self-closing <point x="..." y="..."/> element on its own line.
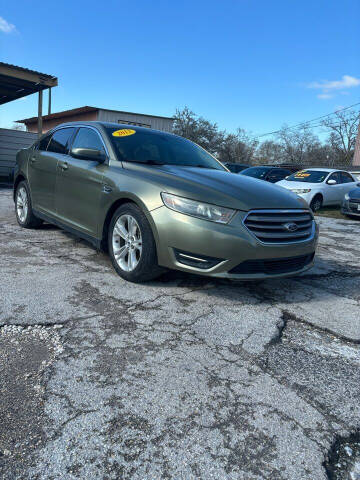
<point x="47" y="218"/>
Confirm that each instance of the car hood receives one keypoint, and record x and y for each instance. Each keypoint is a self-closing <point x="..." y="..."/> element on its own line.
<point x="220" y="187"/>
<point x="290" y="185"/>
<point x="355" y="194"/>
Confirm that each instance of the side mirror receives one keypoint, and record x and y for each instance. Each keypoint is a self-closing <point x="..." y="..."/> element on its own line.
<point x="331" y="182"/>
<point x="358" y="184"/>
<point x="88" y="154"/>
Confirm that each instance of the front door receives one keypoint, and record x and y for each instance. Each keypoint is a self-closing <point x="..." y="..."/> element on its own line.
<point x="43" y="168"/>
<point x="334" y="193"/>
<point x="79" y="185"/>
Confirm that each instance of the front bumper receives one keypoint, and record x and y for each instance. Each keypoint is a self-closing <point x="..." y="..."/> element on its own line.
<point x="305" y="196"/>
<point x="350" y="208"/>
<point x="232" y="244"/>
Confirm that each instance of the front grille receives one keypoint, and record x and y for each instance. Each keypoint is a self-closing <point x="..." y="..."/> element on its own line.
<point x="273" y="266"/>
<point x="355" y="200"/>
<point x="280" y="226"/>
<point x="354" y="206"/>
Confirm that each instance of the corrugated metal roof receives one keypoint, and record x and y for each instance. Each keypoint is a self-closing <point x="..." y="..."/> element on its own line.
<point x="64" y="113"/>
<point x="22" y="69"/>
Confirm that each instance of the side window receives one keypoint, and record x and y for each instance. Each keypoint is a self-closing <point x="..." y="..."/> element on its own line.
<point x="59" y="142"/>
<point x="346" y="177"/>
<point x="43" y="143"/>
<point x="335" y="176"/>
<point x="88" y="138"/>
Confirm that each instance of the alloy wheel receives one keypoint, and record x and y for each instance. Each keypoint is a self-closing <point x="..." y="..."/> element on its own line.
<point x="127" y="242"/>
<point x="22" y="204"/>
<point x="316" y="205"/>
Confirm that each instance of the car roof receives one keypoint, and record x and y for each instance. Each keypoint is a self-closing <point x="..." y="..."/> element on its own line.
<point x="329" y="170"/>
<point x="96" y="123"/>
<point x="260" y="166"/>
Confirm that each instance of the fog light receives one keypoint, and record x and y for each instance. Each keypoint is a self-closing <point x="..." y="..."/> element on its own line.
<point x="195" y="260"/>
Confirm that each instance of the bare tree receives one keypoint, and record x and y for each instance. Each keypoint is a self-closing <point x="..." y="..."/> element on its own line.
<point x="237" y="147"/>
<point x="343" y="131"/>
<point x="297" y="144"/>
<point x="197" y="129"/>
<point x="18" y="126"/>
<point x="270" y="152"/>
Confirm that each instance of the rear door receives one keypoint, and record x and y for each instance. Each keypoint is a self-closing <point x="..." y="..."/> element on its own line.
<point x="79" y="185"/>
<point x="42" y="168"/>
<point x="348" y="182"/>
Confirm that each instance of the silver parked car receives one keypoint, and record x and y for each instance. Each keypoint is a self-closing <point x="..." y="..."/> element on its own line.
<point x="320" y="186"/>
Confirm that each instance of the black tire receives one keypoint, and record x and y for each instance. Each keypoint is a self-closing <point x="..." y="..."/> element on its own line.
<point x="316" y="203"/>
<point x="29" y="220"/>
<point x="147" y="267"/>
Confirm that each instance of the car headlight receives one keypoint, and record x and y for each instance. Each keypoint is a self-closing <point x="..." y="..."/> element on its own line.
<point x="347" y="196"/>
<point x="205" y="211"/>
<point x="301" y="190"/>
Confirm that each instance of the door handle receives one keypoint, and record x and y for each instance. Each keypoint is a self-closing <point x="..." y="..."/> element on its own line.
<point x="32" y="160"/>
<point x="64" y="166"/>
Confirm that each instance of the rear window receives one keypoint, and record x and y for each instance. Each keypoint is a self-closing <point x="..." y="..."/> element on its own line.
<point x="59" y="142"/>
<point x="346" y="177"/>
<point x="308" y="176"/>
<point x="42" y="143"/>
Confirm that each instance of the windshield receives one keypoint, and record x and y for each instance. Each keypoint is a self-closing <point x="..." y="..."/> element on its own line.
<point x="159" y="149"/>
<point x="256" y="172"/>
<point x="308" y="176"/>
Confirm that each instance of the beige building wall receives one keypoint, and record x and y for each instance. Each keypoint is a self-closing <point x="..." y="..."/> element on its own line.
<point x="51" y="123"/>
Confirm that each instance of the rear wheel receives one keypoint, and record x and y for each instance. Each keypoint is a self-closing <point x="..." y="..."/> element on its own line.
<point x="132" y="246"/>
<point x="316" y="203"/>
<point x="23" y="208"/>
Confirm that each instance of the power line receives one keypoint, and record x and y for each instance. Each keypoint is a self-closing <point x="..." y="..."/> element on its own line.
<point x="308" y="121"/>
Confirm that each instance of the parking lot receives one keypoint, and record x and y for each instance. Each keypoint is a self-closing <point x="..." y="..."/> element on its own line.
<point x="181" y="378"/>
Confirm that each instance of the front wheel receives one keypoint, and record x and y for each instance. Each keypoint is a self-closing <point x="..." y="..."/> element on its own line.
<point x="23" y="208"/>
<point x="132" y="246"/>
<point x="316" y="203"/>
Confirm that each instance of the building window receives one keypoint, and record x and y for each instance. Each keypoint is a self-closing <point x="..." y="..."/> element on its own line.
<point x="137" y="124"/>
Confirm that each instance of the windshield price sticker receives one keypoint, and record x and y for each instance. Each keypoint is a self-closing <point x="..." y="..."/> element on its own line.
<point x="302" y="174"/>
<point x="125" y="132"/>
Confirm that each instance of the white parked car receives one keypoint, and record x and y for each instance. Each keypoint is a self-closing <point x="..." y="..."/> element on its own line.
<point x="320" y="186"/>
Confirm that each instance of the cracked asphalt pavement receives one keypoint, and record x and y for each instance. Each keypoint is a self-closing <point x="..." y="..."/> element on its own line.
<point x="180" y="378"/>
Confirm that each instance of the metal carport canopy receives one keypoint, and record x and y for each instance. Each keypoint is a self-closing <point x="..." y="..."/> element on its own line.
<point x="17" y="82"/>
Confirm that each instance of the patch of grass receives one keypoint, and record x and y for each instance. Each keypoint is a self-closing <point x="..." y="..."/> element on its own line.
<point x="332" y="212"/>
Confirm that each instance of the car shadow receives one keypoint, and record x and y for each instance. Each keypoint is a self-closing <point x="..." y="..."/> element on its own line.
<point x="48" y="226"/>
<point x="326" y="279"/>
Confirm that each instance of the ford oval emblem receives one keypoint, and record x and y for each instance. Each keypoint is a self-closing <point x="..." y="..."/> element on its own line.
<point x="290" y="227"/>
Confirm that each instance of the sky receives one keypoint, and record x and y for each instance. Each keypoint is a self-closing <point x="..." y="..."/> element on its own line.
<point x="251" y="64"/>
